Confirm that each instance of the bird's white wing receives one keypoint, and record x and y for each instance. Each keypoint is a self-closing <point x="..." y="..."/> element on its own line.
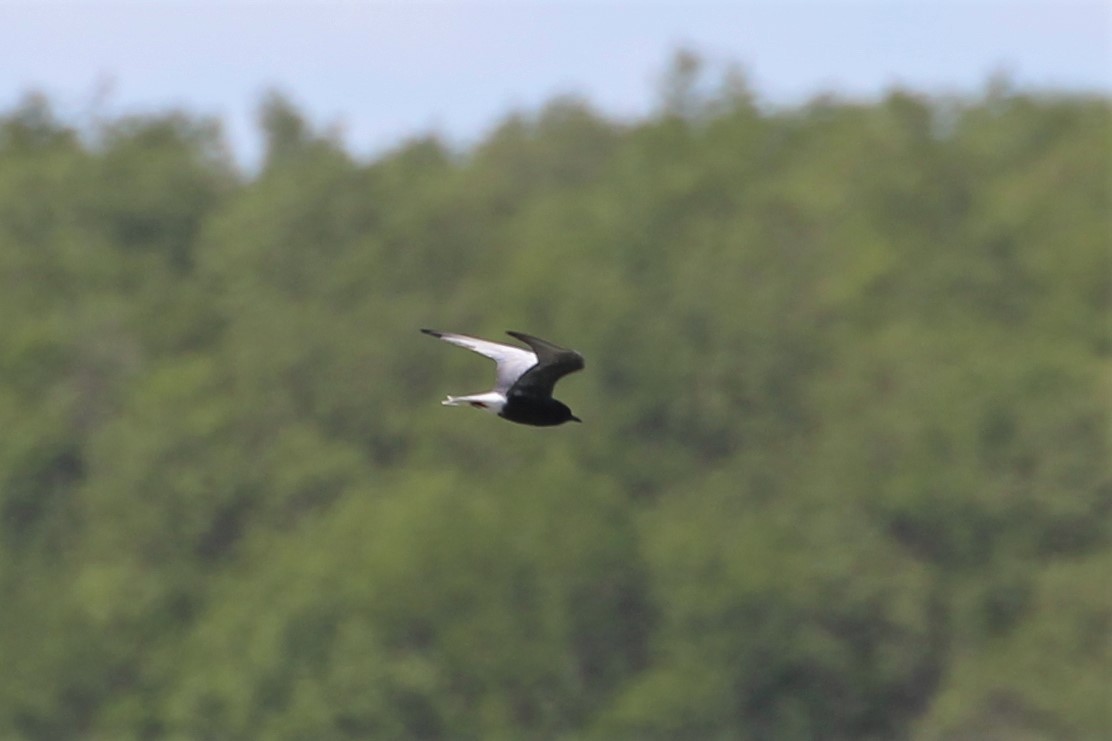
<point x="511" y="361"/>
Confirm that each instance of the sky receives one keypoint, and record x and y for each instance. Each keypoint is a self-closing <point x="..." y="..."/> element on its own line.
<point x="381" y="72"/>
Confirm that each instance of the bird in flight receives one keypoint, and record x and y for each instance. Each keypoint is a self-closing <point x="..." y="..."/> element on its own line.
<point x="523" y="378"/>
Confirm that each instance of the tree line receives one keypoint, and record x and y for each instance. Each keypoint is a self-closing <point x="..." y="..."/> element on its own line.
<point x="843" y="473"/>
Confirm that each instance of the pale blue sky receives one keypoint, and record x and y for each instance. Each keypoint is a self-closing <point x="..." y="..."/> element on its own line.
<point x="388" y="70"/>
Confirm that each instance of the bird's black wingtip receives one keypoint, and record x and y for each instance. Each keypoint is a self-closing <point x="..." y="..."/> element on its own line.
<point x="432" y="332"/>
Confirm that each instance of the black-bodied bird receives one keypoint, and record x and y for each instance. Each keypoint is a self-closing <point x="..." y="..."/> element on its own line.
<point x="524" y="379"/>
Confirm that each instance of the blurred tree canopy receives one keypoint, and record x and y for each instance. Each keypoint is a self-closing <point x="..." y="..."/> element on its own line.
<point x="845" y="471"/>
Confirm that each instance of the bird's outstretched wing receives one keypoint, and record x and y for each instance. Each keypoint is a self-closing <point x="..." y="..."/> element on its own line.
<point x="553" y="363"/>
<point x="512" y="362"/>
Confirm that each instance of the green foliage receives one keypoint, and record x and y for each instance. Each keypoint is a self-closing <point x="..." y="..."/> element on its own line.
<point x="844" y="472"/>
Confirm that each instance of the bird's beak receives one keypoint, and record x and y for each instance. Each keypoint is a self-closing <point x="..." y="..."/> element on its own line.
<point x="575" y="419"/>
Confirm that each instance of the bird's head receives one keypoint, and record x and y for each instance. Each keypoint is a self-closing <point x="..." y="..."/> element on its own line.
<point x="564" y="413"/>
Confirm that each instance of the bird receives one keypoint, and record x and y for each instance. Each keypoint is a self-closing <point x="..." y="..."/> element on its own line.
<point x="524" y="379"/>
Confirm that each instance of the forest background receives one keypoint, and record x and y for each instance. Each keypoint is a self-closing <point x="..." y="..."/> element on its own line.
<point x="844" y="471"/>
